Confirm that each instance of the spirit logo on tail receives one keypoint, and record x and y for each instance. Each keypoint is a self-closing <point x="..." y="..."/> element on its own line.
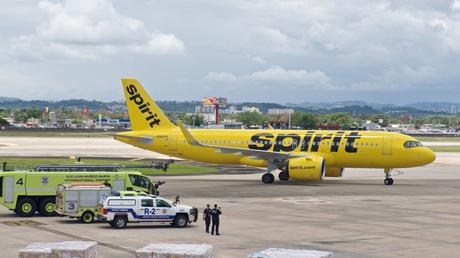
<point x="143" y="107"/>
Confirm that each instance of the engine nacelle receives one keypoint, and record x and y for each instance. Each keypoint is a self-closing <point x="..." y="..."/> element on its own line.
<point x="334" y="172"/>
<point x="307" y="169"/>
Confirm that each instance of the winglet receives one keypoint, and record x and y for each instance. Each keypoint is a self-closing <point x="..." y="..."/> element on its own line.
<point x="188" y="136"/>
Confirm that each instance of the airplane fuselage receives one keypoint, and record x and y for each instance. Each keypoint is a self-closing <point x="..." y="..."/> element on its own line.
<point x="359" y="149"/>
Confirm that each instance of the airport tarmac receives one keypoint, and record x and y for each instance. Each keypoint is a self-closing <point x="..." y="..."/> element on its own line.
<point x="353" y="216"/>
<point x="71" y="146"/>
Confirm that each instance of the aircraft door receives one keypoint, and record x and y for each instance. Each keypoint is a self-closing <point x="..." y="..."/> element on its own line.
<point x="387" y="145"/>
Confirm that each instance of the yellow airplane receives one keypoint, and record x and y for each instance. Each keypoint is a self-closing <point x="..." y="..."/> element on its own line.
<point x="306" y="155"/>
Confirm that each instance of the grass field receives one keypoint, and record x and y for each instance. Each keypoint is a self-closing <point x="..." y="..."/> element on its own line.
<point x="174" y="169"/>
<point x="438" y="139"/>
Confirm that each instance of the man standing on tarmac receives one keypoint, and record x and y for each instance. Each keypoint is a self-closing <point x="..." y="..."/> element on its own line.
<point x="215" y="213"/>
<point x="207" y="216"/>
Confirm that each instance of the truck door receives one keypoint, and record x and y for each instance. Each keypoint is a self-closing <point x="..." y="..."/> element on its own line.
<point x="71" y="201"/>
<point x="164" y="210"/>
<point x="146" y="210"/>
<point x="118" y="185"/>
<point x="8" y="189"/>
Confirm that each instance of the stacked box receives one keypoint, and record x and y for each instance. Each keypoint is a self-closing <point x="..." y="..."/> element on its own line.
<point x="291" y="253"/>
<point x="160" y="250"/>
<point x="67" y="249"/>
<point x="35" y="250"/>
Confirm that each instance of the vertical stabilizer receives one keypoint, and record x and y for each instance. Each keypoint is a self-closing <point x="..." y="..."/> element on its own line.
<point x="144" y="113"/>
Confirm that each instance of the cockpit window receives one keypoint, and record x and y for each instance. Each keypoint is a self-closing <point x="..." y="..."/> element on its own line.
<point x="412" y="144"/>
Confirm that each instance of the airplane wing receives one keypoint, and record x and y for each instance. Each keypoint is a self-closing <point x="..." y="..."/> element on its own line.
<point x="254" y="154"/>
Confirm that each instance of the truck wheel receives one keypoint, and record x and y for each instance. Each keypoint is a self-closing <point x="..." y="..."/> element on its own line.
<point x="87" y="217"/>
<point x="26" y="207"/>
<point x="120" y="222"/>
<point x="46" y="207"/>
<point x="181" y="220"/>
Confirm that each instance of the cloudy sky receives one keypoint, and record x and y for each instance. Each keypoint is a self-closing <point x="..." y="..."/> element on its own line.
<point x="278" y="51"/>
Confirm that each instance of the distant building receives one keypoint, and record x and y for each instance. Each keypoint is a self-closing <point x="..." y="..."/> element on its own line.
<point x="250" y="109"/>
<point x="232" y="124"/>
<point x="33" y="122"/>
<point x="53" y="119"/>
<point x="205" y="109"/>
<point x="230" y="110"/>
<point x="371" y="126"/>
<point x="113" y="123"/>
<point x="280" y="111"/>
<point x="453" y="109"/>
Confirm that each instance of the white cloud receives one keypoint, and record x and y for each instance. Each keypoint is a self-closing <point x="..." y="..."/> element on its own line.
<point x="278" y="41"/>
<point x="275" y="74"/>
<point x="438" y="25"/>
<point x="377" y="47"/>
<point x="221" y="76"/>
<point x="259" y="60"/>
<point x="455" y="5"/>
<point x="90" y="29"/>
<point x="162" y="44"/>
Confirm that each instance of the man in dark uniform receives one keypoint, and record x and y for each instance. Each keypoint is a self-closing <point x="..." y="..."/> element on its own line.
<point x="207" y="216"/>
<point x="215" y="213"/>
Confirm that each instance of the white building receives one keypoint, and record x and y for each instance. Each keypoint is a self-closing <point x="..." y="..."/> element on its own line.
<point x="280" y="111"/>
<point x="371" y="126"/>
<point x="250" y="109"/>
<point x="53" y="119"/>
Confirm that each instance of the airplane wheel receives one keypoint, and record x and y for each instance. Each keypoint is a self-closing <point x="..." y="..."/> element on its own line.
<point x="268" y="178"/>
<point x="283" y="176"/>
<point x="388" y="181"/>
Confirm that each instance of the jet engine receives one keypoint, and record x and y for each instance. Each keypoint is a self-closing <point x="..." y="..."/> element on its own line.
<point x="306" y="169"/>
<point x="334" y="172"/>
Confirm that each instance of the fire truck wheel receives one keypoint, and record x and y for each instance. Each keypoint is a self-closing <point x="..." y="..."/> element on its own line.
<point x="26" y="207"/>
<point x="87" y="217"/>
<point x="46" y="207"/>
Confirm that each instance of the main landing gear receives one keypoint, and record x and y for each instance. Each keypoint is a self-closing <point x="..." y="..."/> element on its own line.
<point x="388" y="180"/>
<point x="268" y="178"/>
<point x="283" y="175"/>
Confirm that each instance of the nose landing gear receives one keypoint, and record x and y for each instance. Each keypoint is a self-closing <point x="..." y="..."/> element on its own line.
<point x="388" y="180"/>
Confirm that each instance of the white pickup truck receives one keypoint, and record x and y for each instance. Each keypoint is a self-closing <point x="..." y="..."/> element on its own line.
<point x="119" y="210"/>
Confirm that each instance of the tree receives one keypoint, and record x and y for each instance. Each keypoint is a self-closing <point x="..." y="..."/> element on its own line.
<point x="252" y="119"/>
<point x="3" y="122"/>
<point x="193" y="119"/>
<point x="344" y="120"/>
<point x="304" y="120"/>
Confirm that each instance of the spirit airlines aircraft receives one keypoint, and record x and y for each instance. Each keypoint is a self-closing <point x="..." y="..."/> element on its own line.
<point x="298" y="155"/>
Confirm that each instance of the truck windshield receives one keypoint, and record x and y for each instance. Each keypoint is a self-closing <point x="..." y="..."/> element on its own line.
<point x="140" y="181"/>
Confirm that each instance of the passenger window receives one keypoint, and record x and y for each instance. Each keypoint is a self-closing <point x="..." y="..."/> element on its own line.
<point x="1" y="186"/>
<point x="162" y="204"/>
<point x="147" y="202"/>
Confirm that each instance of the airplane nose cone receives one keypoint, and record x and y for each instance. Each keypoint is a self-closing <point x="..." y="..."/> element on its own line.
<point x="429" y="156"/>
